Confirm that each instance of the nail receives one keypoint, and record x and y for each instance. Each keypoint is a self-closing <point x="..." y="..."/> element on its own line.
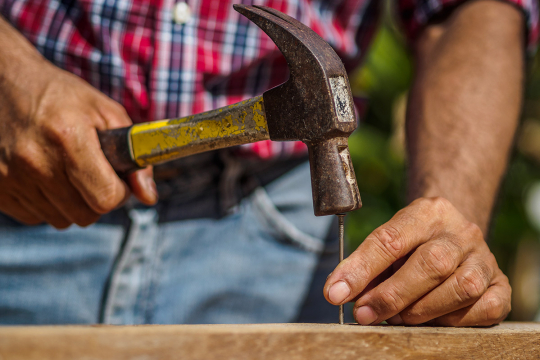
<point x="365" y="315"/>
<point x="339" y="292"/>
<point x="395" y="320"/>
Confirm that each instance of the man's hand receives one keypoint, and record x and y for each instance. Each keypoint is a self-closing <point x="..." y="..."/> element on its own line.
<point x="52" y="168"/>
<point x="428" y="263"/>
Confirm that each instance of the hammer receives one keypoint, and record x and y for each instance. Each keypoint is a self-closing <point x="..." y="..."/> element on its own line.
<point x="314" y="106"/>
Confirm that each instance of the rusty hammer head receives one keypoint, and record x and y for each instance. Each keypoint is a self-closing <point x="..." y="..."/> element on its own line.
<point x="315" y="106"/>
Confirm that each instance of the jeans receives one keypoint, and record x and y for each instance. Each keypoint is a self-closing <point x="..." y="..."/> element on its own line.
<point x="254" y="265"/>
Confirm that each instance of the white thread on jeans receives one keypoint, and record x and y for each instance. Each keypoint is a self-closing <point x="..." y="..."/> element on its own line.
<point x="283" y="226"/>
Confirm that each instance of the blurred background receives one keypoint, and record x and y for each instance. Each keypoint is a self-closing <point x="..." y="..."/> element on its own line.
<point x="379" y="159"/>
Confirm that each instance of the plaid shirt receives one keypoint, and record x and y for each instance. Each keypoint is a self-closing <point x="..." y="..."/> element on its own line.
<point x="161" y="64"/>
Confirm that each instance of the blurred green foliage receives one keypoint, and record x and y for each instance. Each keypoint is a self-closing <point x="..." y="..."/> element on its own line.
<point x="380" y="165"/>
<point x="384" y="76"/>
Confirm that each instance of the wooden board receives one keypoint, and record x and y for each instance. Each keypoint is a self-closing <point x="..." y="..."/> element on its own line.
<point x="270" y="341"/>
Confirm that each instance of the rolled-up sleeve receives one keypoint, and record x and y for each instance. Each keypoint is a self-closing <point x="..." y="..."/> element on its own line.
<point x="415" y="14"/>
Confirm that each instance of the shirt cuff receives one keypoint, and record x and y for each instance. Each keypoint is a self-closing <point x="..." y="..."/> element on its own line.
<point x="415" y="14"/>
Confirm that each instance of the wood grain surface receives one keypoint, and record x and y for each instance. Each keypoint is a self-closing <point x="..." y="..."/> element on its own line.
<point x="270" y="341"/>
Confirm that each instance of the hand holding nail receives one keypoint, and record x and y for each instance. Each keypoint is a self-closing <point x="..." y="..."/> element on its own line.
<point x="427" y="264"/>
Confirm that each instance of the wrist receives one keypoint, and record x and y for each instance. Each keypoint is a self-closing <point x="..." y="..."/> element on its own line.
<point x="471" y="207"/>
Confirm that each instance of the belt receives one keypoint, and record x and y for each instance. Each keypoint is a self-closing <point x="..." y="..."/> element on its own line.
<point x="211" y="184"/>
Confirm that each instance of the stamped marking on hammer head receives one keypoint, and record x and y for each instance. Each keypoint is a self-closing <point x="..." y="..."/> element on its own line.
<point x="344" y="108"/>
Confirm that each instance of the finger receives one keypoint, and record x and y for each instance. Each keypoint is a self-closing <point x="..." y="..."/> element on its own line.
<point x="44" y="186"/>
<point x="92" y="175"/>
<point x="382" y="277"/>
<point x="379" y="279"/>
<point x="409" y="228"/>
<point x="399" y="263"/>
<point x="76" y="141"/>
<point x="428" y="267"/>
<point x="99" y="185"/>
<point x="33" y="200"/>
<point x="463" y="288"/>
<point x="112" y="114"/>
<point x="13" y="208"/>
<point x="492" y="308"/>
<point x="30" y="168"/>
<point x="68" y="201"/>
<point x="143" y="186"/>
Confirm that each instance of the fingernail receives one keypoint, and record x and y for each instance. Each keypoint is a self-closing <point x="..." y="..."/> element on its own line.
<point x="395" y="320"/>
<point x="365" y="315"/>
<point x="339" y="292"/>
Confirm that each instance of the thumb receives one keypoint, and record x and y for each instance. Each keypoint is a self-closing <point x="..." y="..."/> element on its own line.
<point x="143" y="186"/>
<point x="140" y="182"/>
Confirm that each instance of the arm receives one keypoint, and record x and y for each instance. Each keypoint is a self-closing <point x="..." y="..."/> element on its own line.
<point x="464" y="106"/>
<point x="430" y="262"/>
<point x="51" y="165"/>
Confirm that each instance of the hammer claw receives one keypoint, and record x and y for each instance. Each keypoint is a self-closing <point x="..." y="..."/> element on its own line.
<point x="305" y="30"/>
<point x="278" y="18"/>
<point x="282" y="28"/>
<point x="257" y="14"/>
<point x="282" y="16"/>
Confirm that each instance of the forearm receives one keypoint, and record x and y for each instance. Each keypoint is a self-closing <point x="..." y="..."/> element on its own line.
<point x="14" y="48"/>
<point x="464" y="106"/>
<point x="21" y="66"/>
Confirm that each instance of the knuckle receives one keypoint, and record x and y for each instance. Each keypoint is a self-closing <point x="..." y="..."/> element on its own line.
<point x="436" y="202"/>
<point x="503" y="280"/>
<point x="390" y="240"/>
<point x="390" y="301"/>
<point x="473" y="231"/>
<point x="439" y="260"/>
<point x="23" y="154"/>
<point x="115" y="113"/>
<point x="59" y="133"/>
<point x="436" y="209"/>
<point x="105" y="199"/>
<point x="440" y="204"/>
<point x="471" y="284"/>
<point x="495" y="308"/>
<point x="121" y="110"/>
<point x="29" y="157"/>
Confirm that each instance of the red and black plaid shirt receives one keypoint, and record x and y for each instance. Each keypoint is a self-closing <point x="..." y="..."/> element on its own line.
<point x="161" y="65"/>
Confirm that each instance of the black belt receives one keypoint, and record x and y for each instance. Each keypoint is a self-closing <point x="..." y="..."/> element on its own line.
<point x="210" y="184"/>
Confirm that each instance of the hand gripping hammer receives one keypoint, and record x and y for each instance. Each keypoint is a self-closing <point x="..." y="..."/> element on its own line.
<point x="315" y="106"/>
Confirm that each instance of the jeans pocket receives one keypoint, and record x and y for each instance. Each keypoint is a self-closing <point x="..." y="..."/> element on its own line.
<point x="280" y="226"/>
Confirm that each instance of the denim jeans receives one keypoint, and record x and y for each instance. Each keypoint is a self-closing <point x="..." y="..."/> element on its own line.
<point x="254" y="265"/>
